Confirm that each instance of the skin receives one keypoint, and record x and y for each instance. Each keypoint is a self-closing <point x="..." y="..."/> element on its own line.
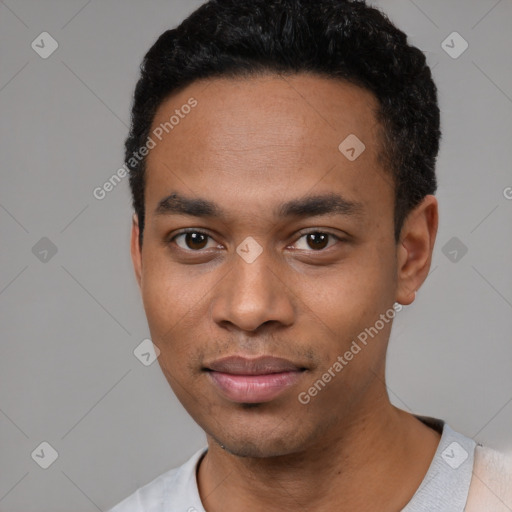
<point x="249" y="145"/>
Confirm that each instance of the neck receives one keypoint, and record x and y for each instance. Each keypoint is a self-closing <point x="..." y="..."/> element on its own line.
<point x="378" y="458"/>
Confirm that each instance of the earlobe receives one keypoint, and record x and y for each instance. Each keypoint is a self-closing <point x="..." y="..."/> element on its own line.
<point x="414" y="253"/>
<point x="136" y="250"/>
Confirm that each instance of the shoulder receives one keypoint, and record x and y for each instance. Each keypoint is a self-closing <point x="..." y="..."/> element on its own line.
<point x="175" y="485"/>
<point x="491" y="482"/>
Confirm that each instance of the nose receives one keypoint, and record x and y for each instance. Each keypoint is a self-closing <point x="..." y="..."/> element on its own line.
<point x="253" y="294"/>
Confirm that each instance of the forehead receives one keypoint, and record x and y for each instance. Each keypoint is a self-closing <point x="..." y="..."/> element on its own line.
<point x="268" y="136"/>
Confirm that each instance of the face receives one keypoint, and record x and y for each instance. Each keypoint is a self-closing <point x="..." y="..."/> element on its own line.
<point x="288" y="256"/>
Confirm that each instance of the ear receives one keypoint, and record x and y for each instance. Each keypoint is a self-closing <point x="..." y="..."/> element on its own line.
<point x="136" y="250"/>
<point x="415" y="247"/>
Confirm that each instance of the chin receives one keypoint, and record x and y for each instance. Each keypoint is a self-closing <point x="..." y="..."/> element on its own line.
<point x="263" y="442"/>
<point x="256" y="430"/>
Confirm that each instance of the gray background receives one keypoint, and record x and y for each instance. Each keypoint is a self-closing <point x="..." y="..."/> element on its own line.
<point x="70" y="322"/>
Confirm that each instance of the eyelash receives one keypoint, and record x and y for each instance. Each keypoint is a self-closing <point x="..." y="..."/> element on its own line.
<point x="301" y="234"/>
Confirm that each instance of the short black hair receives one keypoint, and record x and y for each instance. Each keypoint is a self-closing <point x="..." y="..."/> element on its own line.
<point x="339" y="39"/>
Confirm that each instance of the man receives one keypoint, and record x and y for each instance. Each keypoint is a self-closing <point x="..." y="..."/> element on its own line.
<point x="282" y="165"/>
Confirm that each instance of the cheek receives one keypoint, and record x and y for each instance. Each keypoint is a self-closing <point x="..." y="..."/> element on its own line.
<point x="176" y="303"/>
<point x="167" y="311"/>
<point x="344" y="306"/>
<point x="350" y="296"/>
<point x="167" y="293"/>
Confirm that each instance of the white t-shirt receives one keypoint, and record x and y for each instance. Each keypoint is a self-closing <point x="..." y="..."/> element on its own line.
<point x="460" y="468"/>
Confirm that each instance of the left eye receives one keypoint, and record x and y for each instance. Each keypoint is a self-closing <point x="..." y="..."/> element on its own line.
<point x="316" y="240"/>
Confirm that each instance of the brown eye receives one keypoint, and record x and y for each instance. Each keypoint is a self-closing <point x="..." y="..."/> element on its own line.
<point x="315" y="240"/>
<point x="193" y="240"/>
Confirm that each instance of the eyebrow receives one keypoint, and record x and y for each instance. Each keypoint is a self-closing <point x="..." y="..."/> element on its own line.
<point x="309" y="206"/>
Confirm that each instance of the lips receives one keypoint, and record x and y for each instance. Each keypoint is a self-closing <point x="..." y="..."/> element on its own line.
<point x="258" y="380"/>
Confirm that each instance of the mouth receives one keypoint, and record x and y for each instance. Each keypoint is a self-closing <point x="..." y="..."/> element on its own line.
<point x="258" y="380"/>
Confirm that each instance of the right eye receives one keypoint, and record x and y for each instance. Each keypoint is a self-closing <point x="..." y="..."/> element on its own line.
<point x="192" y="240"/>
